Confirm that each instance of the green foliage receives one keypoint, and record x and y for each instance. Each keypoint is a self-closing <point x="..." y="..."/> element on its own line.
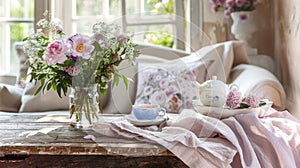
<point x="162" y="37"/>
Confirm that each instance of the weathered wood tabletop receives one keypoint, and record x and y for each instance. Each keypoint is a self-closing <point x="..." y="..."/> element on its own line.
<point x="48" y="140"/>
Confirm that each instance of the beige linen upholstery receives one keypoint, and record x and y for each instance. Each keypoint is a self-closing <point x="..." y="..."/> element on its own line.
<point x="10" y="98"/>
<point x="230" y="66"/>
<point x="259" y="81"/>
<point x="47" y="101"/>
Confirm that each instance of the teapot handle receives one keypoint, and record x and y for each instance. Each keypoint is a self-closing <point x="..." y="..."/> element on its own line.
<point x="197" y="84"/>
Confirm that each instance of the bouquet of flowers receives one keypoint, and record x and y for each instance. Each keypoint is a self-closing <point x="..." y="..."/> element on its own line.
<point x="229" y="6"/>
<point x="235" y="100"/>
<point x="79" y="60"/>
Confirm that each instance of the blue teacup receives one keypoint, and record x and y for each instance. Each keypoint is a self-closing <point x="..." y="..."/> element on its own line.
<point x="147" y="111"/>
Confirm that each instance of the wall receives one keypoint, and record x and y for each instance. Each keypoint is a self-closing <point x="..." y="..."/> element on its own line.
<point x="287" y="50"/>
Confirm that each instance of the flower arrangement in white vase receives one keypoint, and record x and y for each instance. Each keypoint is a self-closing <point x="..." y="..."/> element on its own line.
<point x="241" y="12"/>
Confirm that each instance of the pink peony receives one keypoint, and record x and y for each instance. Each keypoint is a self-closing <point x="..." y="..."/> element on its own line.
<point x="252" y="100"/>
<point x="55" y="52"/>
<point x="81" y="46"/>
<point x="234" y="98"/>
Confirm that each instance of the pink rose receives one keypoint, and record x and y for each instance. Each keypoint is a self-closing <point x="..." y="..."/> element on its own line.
<point x="55" y="52"/>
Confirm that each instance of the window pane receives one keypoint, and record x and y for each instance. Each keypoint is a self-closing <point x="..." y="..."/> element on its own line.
<point x="89" y="7"/>
<point x="154" y="34"/>
<point x="1" y="9"/>
<point x="83" y="27"/>
<point x="159" y="7"/>
<point x="17" y="34"/>
<point x="150" y="7"/>
<point x="115" y="8"/>
<point x="131" y="7"/>
<point x="21" y="8"/>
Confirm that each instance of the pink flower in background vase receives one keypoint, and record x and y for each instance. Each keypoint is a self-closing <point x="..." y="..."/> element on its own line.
<point x="234" y="98"/>
<point x="253" y="100"/>
<point x="55" y="52"/>
<point x="81" y="46"/>
<point x="229" y="6"/>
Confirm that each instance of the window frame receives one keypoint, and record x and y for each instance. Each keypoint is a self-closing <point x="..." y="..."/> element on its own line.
<point x="189" y="39"/>
<point x="39" y="7"/>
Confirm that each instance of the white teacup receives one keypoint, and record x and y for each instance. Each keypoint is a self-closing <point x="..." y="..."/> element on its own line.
<point x="147" y="111"/>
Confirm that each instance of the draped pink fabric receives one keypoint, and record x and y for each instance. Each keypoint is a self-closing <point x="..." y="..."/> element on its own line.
<point x="243" y="140"/>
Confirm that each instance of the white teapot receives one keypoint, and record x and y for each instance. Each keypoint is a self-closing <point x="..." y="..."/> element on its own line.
<point x="213" y="92"/>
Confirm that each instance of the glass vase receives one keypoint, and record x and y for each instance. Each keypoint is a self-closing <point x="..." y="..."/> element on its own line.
<point x="84" y="105"/>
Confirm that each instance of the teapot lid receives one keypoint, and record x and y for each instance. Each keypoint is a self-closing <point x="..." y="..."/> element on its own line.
<point x="214" y="83"/>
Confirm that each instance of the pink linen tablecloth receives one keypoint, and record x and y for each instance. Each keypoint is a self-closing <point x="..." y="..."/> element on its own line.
<point x="243" y="140"/>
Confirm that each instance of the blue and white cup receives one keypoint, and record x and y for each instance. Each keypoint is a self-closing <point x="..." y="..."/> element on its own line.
<point x="147" y="111"/>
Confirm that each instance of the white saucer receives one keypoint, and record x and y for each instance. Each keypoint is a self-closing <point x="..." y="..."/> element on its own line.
<point x="144" y="123"/>
<point x="223" y="112"/>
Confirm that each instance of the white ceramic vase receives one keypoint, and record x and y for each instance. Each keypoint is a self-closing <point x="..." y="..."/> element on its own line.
<point x="243" y="29"/>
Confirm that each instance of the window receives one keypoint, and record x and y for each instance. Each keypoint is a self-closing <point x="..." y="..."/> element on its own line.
<point x="162" y="22"/>
<point x="151" y="21"/>
<point x="16" y="20"/>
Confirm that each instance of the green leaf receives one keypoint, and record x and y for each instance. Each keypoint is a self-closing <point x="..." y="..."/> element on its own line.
<point x="49" y="85"/>
<point x="41" y="87"/>
<point x="38" y="90"/>
<point x="59" y="89"/>
<point x="262" y="103"/>
<point x="116" y="80"/>
<point x="103" y="91"/>
<point x="54" y="84"/>
<point x="242" y="105"/>
<point x="125" y="79"/>
<point x="41" y="76"/>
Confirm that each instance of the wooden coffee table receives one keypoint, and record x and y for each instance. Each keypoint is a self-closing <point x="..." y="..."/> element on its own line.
<point x="47" y="140"/>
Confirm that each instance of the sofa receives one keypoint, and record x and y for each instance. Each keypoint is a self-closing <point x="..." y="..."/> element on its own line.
<point x="227" y="60"/>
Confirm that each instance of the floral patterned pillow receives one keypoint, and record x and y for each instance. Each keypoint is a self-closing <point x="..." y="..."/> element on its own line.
<point x="172" y="87"/>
